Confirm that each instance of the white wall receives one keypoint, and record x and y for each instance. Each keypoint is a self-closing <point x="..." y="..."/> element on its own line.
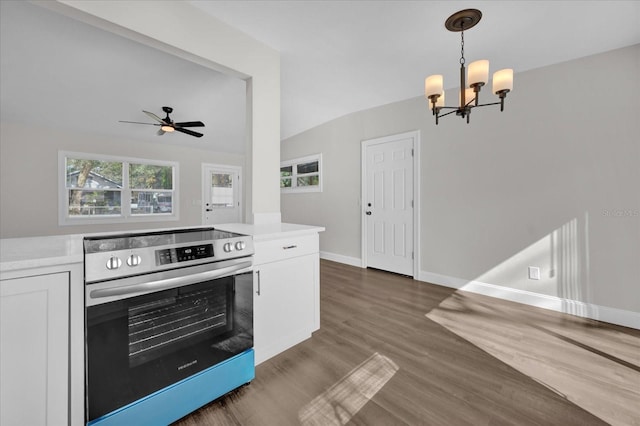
<point x="552" y="182"/>
<point x="29" y="170"/>
<point x="181" y="29"/>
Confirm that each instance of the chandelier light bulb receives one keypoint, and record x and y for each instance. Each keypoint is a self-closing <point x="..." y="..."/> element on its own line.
<point x="478" y="72"/>
<point x="503" y="81"/>
<point x="440" y="102"/>
<point x="433" y="85"/>
<point x="469" y="95"/>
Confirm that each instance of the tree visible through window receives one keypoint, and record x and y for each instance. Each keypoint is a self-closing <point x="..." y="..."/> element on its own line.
<point x="117" y="188"/>
<point x="94" y="187"/>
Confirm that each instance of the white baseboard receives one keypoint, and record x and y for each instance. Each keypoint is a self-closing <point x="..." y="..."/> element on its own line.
<point x="554" y="303"/>
<point x="347" y="260"/>
<point x="573" y="307"/>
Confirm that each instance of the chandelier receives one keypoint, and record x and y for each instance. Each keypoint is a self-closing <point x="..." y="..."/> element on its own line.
<point x="477" y="77"/>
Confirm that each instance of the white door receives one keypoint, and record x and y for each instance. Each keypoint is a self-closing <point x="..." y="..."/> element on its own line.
<point x="221" y="194"/>
<point x="388" y="199"/>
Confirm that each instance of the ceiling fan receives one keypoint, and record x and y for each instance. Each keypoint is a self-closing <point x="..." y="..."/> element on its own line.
<point x="167" y="125"/>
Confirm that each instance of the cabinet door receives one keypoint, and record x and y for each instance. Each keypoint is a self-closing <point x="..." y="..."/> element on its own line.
<point x="283" y="305"/>
<point x="34" y="337"/>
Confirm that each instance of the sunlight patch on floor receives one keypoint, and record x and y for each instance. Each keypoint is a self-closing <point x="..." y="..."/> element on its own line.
<point x="596" y="368"/>
<point x="338" y="404"/>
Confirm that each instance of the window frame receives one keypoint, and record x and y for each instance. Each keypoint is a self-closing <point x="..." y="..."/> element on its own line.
<point x="125" y="216"/>
<point x="294" y="163"/>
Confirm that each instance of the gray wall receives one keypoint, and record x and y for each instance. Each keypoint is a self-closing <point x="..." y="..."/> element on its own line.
<point x="550" y="182"/>
<point x="29" y="177"/>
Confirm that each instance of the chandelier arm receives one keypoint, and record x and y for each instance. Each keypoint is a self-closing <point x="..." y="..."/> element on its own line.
<point x="450" y="112"/>
<point x="481" y="105"/>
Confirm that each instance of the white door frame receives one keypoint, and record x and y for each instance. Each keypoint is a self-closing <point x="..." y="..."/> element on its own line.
<point x="204" y="178"/>
<point x="415" y="136"/>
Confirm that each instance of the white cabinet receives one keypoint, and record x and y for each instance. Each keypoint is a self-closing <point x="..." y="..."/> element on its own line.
<point x="287" y="293"/>
<point x="34" y="339"/>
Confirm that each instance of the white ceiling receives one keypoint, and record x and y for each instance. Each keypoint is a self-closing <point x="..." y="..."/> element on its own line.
<point x="337" y="57"/>
<point x="58" y="72"/>
<point x="340" y="57"/>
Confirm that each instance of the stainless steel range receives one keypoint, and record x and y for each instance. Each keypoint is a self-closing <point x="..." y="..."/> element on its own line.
<point x="169" y="323"/>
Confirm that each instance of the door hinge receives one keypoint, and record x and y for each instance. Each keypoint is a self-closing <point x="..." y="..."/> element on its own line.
<point x="411" y="203"/>
<point x="412" y="256"/>
<point x="412" y="152"/>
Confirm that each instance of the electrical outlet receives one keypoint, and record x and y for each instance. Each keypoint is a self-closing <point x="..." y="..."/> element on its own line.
<point x="534" y="273"/>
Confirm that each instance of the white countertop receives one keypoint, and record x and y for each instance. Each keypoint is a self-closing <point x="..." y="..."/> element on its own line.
<point x="35" y="252"/>
<point x="269" y="231"/>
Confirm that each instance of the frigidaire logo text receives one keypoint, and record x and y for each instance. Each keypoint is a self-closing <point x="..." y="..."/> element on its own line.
<point x="189" y="364"/>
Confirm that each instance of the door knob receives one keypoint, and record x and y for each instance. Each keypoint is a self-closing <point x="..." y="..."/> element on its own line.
<point x="368" y="213"/>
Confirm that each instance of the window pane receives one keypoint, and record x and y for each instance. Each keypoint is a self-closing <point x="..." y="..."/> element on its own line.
<point x="91" y="203"/>
<point x="149" y="176"/>
<point x="285" y="183"/>
<point x="308" y="181"/>
<point x="222" y="190"/>
<point x="147" y="202"/>
<point x="308" y="168"/>
<point x="286" y="171"/>
<point x="93" y="174"/>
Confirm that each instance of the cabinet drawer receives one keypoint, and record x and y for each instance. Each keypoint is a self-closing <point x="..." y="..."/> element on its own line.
<point x="285" y="248"/>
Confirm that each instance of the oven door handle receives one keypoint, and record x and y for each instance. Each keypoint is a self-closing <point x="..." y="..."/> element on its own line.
<point x="168" y="282"/>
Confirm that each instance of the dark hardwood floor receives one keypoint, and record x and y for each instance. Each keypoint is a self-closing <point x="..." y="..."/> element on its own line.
<point x="394" y="351"/>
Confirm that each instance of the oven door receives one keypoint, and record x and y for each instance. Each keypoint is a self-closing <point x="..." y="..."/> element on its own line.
<point x="142" y="337"/>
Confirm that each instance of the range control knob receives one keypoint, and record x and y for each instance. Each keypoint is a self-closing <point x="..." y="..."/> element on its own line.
<point x="134" y="260"/>
<point x="228" y="247"/>
<point x="114" y="262"/>
<point x="240" y="245"/>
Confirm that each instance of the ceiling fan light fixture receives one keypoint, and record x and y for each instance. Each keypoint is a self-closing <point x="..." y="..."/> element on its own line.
<point x="166" y="128"/>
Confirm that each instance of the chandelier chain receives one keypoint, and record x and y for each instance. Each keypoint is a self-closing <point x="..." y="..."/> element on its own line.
<point x="462" y="47"/>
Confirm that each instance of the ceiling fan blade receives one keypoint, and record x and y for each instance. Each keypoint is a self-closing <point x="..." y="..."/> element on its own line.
<point x="155" y="117"/>
<point x="189" y="132"/>
<point x="138" y="122"/>
<point x="190" y="124"/>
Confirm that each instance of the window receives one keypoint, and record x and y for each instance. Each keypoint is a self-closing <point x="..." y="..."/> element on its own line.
<point x="102" y="189"/>
<point x="301" y="174"/>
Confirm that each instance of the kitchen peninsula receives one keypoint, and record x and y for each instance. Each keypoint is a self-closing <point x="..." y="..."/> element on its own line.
<point x="42" y="308"/>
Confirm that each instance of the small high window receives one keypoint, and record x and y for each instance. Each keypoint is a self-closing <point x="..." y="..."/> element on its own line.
<point x="301" y="174"/>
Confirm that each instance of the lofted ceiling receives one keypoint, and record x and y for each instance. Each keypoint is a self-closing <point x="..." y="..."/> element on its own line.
<point x="337" y="57"/>
<point x="340" y="57"/>
<point x="62" y="73"/>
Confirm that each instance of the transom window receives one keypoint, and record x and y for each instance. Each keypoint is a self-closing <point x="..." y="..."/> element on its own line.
<point x="105" y="189"/>
<point x="301" y="174"/>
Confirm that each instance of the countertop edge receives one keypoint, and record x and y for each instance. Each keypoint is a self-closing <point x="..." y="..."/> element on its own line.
<point x="33" y="264"/>
<point x="268" y="232"/>
<point x="60" y="250"/>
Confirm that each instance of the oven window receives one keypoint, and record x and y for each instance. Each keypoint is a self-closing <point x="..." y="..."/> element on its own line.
<point x="158" y="326"/>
